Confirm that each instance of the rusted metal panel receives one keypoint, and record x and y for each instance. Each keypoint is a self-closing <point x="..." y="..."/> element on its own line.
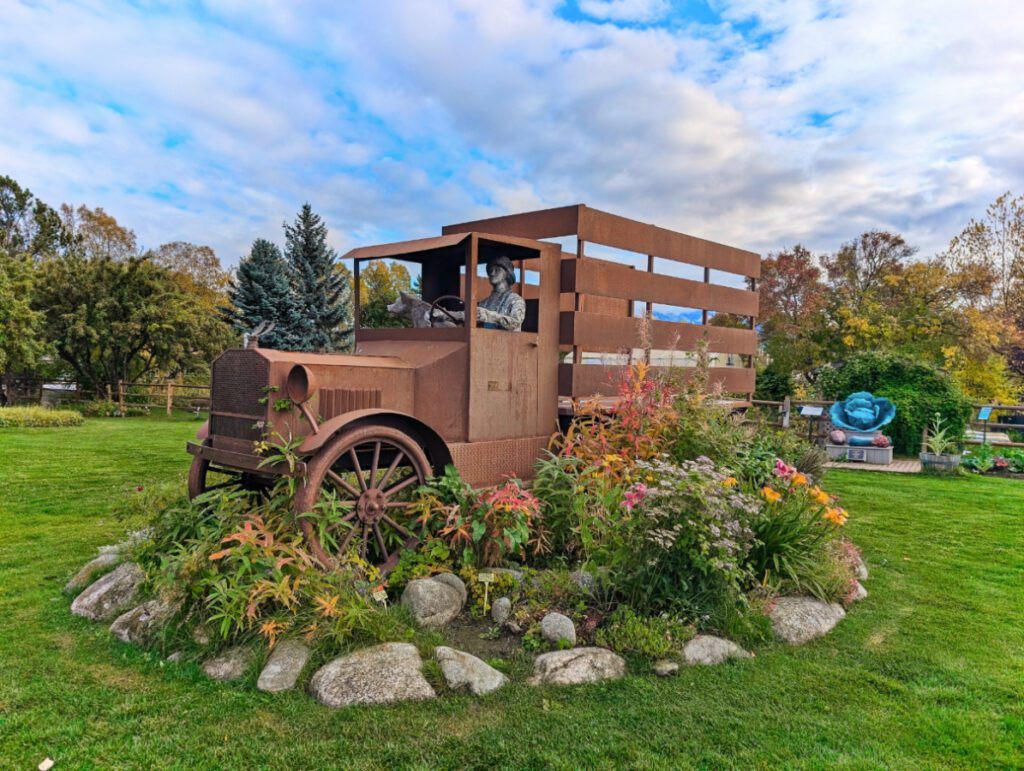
<point x="611" y="280"/>
<point x="623" y="233"/>
<point x="582" y="380"/>
<point x="612" y="230"/>
<point x="547" y="223"/>
<point x="503" y="371"/>
<point x="492" y="462"/>
<point x="243" y="460"/>
<point x="403" y="248"/>
<point x="433" y="364"/>
<point x="337" y="401"/>
<point x="594" y="332"/>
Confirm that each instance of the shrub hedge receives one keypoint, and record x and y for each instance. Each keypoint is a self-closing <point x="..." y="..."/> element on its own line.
<point x="42" y="417"/>
<point x="918" y="390"/>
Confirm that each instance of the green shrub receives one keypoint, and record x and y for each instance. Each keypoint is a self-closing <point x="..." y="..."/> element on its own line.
<point x="755" y="460"/>
<point x="238" y="565"/>
<point x="684" y="538"/>
<point x="38" y="417"/>
<point x="773" y="384"/>
<point x="101" y="408"/>
<point x="918" y="390"/>
<point x="653" y="637"/>
<point x="485" y="526"/>
<point x="705" y="427"/>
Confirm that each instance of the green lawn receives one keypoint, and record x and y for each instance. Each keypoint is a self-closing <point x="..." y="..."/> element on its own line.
<point x="927" y="672"/>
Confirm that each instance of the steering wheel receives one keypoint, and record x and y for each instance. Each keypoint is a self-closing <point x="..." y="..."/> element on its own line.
<point x="447" y="311"/>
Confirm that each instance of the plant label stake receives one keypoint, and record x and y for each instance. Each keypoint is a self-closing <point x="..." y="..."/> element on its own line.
<point x="380" y="595"/>
<point x="486" y="579"/>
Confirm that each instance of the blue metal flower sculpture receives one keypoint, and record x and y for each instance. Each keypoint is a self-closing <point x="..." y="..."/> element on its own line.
<point x="862" y="411"/>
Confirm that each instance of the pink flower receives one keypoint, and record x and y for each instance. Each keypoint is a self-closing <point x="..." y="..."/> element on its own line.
<point x="782" y="470"/>
<point x="634" y="496"/>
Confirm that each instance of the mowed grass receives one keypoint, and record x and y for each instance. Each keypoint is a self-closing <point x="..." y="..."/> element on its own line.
<point x="928" y="672"/>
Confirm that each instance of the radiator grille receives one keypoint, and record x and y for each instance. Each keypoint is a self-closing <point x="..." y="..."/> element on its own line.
<point x="337" y="401"/>
<point x="239" y="382"/>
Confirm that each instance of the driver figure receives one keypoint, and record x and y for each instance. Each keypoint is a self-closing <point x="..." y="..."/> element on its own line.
<point x="503" y="308"/>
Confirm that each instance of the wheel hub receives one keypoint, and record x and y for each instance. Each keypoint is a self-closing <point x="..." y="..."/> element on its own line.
<point x="370" y="506"/>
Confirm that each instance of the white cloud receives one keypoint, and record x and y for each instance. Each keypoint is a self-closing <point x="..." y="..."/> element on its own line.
<point x="626" y="10"/>
<point x="787" y="121"/>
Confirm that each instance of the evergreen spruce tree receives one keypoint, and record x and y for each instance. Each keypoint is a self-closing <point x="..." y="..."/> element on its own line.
<point x="323" y="294"/>
<point x="262" y="291"/>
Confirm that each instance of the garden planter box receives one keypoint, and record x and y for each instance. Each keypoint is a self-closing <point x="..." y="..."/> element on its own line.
<point x="940" y="462"/>
<point x="880" y="456"/>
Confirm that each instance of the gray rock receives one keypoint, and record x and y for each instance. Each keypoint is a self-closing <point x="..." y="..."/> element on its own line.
<point x="579" y="665"/>
<point x="501" y="610"/>
<point x="201" y="635"/>
<point x="665" y="668"/>
<point x="583" y="580"/>
<point x="111" y="595"/>
<point x="455" y="583"/>
<point x="90" y="570"/>
<point x="176" y="658"/>
<point x="556" y="628"/>
<point x="860" y="569"/>
<point x="139" y="625"/>
<point x="859" y="593"/>
<point x="229" y="665"/>
<point x="461" y="669"/>
<point x="382" y="674"/>
<point x="797" y="620"/>
<point x="134" y="539"/>
<point x="433" y="602"/>
<point x="708" y="649"/>
<point x="517" y="575"/>
<point x="284" y="666"/>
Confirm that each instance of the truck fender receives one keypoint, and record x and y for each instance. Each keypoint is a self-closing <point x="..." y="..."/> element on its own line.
<point x="430" y="440"/>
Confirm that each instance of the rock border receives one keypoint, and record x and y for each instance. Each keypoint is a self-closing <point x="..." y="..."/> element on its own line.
<point x="393" y="672"/>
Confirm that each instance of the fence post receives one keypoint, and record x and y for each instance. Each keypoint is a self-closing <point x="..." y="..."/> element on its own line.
<point x="786" y="406"/>
<point x="120" y="397"/>
<point x="170" y="398"/>
<point x="110" y="394"/>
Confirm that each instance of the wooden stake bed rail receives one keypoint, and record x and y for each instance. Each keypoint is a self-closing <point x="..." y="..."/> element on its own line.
<point x="599" y="297"/>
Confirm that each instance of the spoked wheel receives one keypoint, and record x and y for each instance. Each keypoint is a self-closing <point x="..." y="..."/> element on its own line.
<point x="365" y="478"/>
<point x="204" y="477"/>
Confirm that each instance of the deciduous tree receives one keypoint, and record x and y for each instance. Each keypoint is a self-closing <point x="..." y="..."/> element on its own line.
<point x="95" y="233"/>
<point x="379" y="285"/>
<point x="122" y="319"/>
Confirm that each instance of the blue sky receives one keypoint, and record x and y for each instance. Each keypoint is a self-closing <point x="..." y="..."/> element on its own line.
<point x="759" y="124"/>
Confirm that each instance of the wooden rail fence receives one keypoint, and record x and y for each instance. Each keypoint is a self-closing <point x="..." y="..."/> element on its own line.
<point x="168" y="396"/>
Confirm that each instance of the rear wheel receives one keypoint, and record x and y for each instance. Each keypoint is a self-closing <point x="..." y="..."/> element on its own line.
<point x="357" y="492"/>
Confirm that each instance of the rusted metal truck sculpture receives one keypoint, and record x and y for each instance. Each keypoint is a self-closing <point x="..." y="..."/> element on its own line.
<point x="369" y="427"/>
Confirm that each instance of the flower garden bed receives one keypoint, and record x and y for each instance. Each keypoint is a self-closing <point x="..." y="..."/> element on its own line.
<point x="663" y="535"/>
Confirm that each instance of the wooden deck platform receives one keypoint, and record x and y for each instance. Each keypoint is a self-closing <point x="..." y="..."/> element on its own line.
<point x="902" y="466"/>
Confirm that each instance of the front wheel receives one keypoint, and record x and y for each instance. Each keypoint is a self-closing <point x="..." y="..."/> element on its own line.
<point x="363" y="481"/>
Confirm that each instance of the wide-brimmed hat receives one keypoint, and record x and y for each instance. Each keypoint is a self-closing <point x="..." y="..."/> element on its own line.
<point x="506" y="263"/>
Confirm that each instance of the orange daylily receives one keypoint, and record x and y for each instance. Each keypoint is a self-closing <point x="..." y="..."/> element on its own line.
<point x="799" y="480"/>
<point x="771" y="495"/>
<point x="819" y="495"/>
<point x="836" y="515"/>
